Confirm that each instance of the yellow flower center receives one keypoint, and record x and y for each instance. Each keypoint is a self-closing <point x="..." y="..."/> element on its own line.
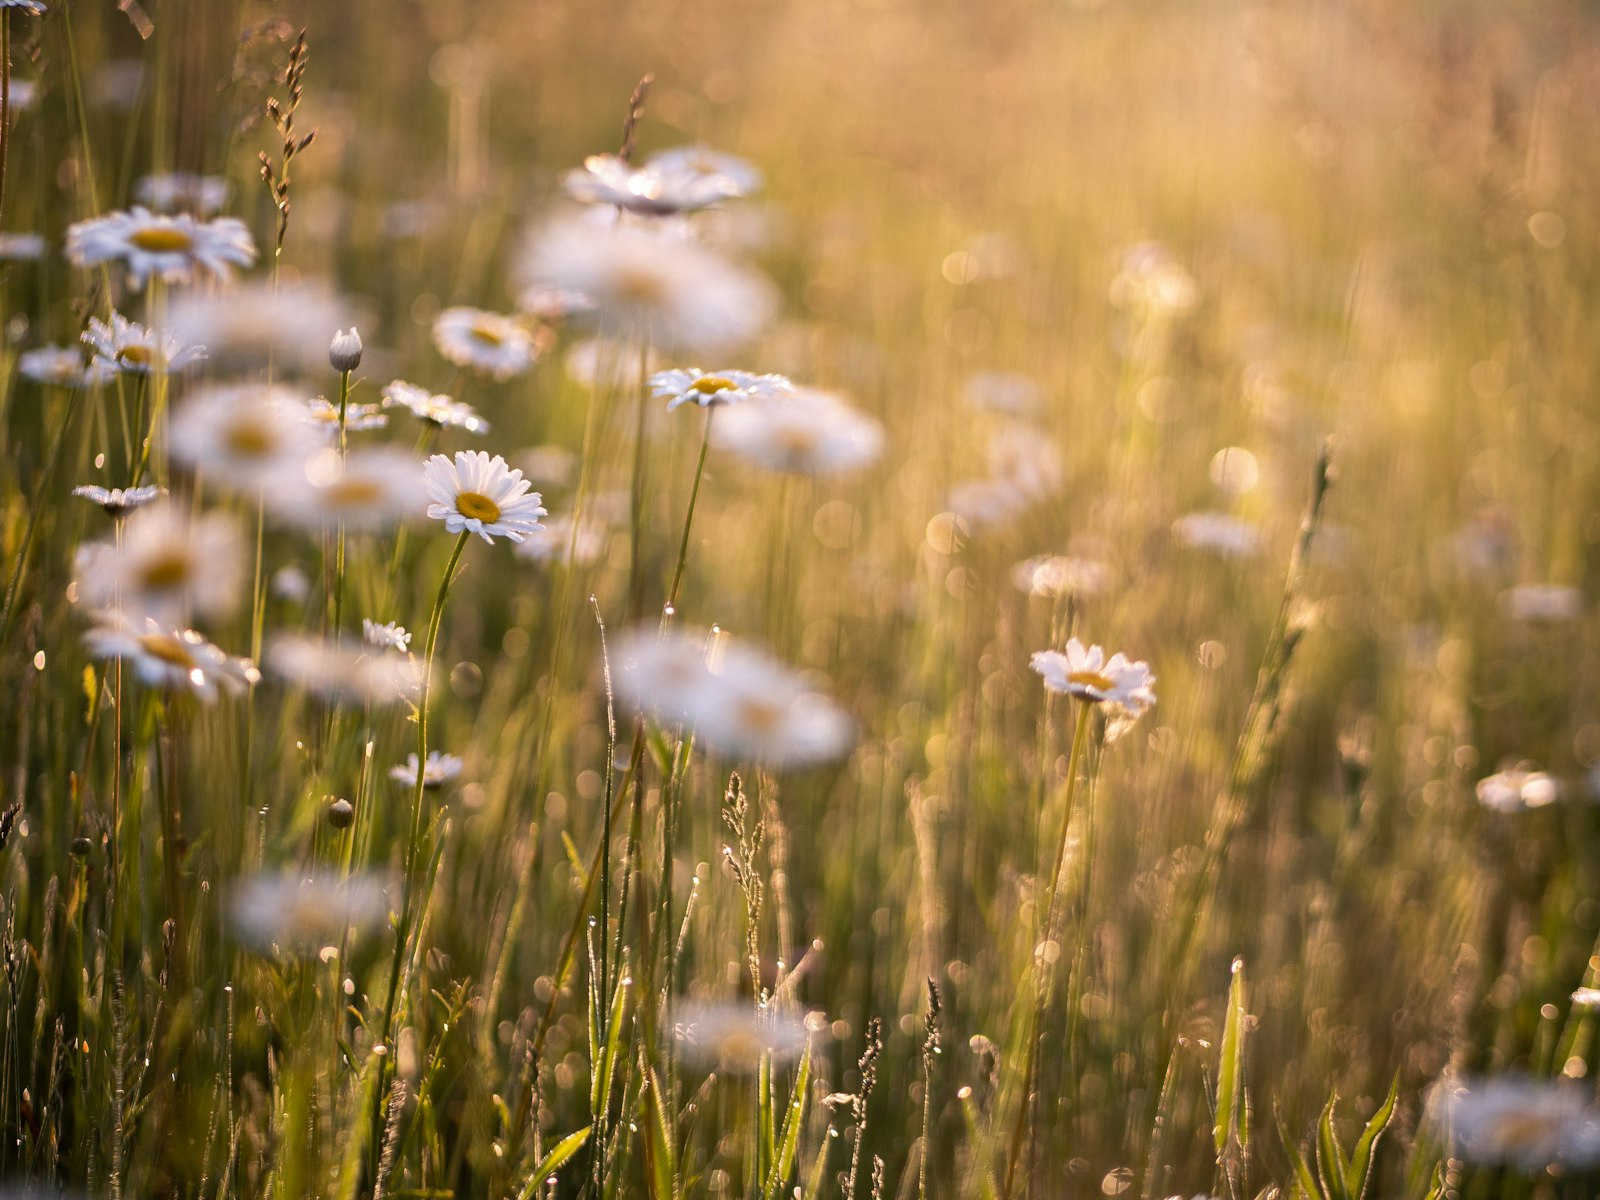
<point x="1091" y="679"/>
<point x="167" y="571"/>
<point x="162" y="239"/>
<point x="487" y="332"/>
<point x="168" y="649"/>
<point x="1516" y="1130"/>
<point x="710" y="385"/>
<point x="759" y="715"/>
<point x="637" y="284"/>
<point x="475" y="506"/>
<point x="248" y="439"/>
<point x="136" y="355"/>
<point x="353" y="493"/>
<point x="797" y="441"/>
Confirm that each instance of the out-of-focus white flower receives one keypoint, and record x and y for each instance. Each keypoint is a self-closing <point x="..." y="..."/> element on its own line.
<point x="253" y="326"/>
<point x="119" y="502"/>
<point x="129" y="348"/>
<point x="340" y="672"/>
<point x="1085" y="673"/>
<point x="167" y="566"/>
<point x="239" y="436"/>
<point x="1532" y="1124"/>
<point x="388" y="636"/>
<point x="691" y="385"/>
<point x="606" y="362"/>
<point x="1487" y="543"/>
<point x="438" y="411"/>
<point x="323" y="415"/>
<point x="32" y="8"/>
<point x="661" y="187"/>
<point x="674" y="294"/>
<point x="1517" y="789"/>
<point x="481" y="495"/>
<point x="61" y="366"/>
<point x="173" y="249"/>
<point x="1153" y="283"/>
<point x="21" y="247"/>
<point x="808" y="432"/>
<point x="439" y="770"/>
<point x="176" y="660"/>
<point x="1544" y="602"/>
<point x="299" y="916"/>
<point x="553" y="304"/>
<point x="369" y="488"/>
<point x="1028" y="460"/>
<point x="987" y="501"/>
<point x="1004" y="392"/>
<point x="486" y="342"/>
<point x="1061" y="575"/>
<point x="558" y="541"/>
<point x="549" y="464"/>
<point x="1586" y="998"/>
<point x="1218" y="533"/>
<point x="290" y="583"/>
<point x="174" y="191"/>
<point x="736" y="1037"/>
<point x="731" y="175"/>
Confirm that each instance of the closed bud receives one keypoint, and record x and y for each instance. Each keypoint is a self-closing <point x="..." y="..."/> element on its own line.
<point x="344" y="352"/>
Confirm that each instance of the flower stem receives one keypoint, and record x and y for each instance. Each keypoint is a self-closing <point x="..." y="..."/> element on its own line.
<point x="338" y="562"/>
<point x="688" y="520"/>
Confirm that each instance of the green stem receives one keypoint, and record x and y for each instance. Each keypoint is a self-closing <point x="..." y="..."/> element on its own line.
<point x="688" y="520"/>
<point x="338" y="566"/>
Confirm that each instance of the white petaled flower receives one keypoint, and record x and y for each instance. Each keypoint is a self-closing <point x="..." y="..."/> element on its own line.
<point x="1152" y="282"/>
<point x="988" y="501"/>
<point x="652" y="190"/>
<point x="486" y="342"/>
<point x="173" y="249"/>
<point x="674" y="294"/>
<point x="553" y="304"/>
<point x="176" y="660"/>
<point x="807" y="432"/>
<point x="1517" y="789"/>
<point x="240" y="435"/>
<point x="1218" y="533"/>
<point x="1542" y="602"/>
<point x="21" y="247"/>
<point x="1061" y="575"/>
<point x="559" y="541"/>
<point x="660" y="676"/>
<point x="1026" y="459"/>
<point x="299" y="916"/>
<point x="119" y="502"/>
<point x="129" y="348"/>
<point x="338" y="672"/>
<point x="388" y="636"/>
<point x="254" y="325"/>
<point x="1086" y="673"/>
<point x="368" y="489"/>
<point x="1003" y="392"/>
<point x="1586" y="998"/>
<point x="482" y="495"/>
<point x="691" y="385"/>
<point x="737" y="1037"/>
<point x="439" y="770"/>
<point x="167" y="566"/>
<point x="731" y="175"/>
<point x="172" y="191"/>
<point x="1526" y="1123"/>
<point x="439" y="411"/>
<point x="32" y="8"/>
<point x="323" y="415"/>
<point x="61" y="366"/>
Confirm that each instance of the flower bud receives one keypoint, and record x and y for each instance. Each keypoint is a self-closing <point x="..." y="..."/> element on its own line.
<point x="344" y="352"/>
<point x="341" y="814"/>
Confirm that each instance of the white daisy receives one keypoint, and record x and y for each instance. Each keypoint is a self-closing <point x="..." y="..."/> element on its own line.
<point x="439" y="411"/>
<point x="174" y="249"/>
<point x="339" y="672"/>
<point x="736" y="1037"/>
<point x="691" y="385"/>
<point x="809" y="432"/>
<point x="606" y="362"/>
<point x="62" y="366"/>
<point x="129" y="348"/>
<point x="323" y="415"/>
<point x="294" y="915"/>
<point x="987" y="501"/>
<point x="674" y="294"/>
<point x="21" y="247"/>
<point x="388" y="636"/>
<point x="650" y="190"/>
<point x="726" y="173"/>
<point x="32" y="8"/>
<point x="367" y="489"/>
<point x="557" y="541"/>
<point x="1025" y="458"/>
<point x="1542" y="602"/>
<point x="167" y="566"/>
<point x="240" y="435"/>
<point x="439" y="770"/>
<point x="1003" y="392"/>
<point x="553" y="304"/>
<point x="481" y="495"/>
<point x="178" y="660"/>
<point x="119" y="502"/>
<point x="1151" y="282"/>
<point x="1061" y="575"/>
<point x="1517" y="789"/>
<point x="486" y="342"/>
<point x="1084" y="672"/>
<point x="1532" y="1124"/>
<point x="170" y="191"/>
<point x="255" y="326"/>
<point x="1218" y="533"/>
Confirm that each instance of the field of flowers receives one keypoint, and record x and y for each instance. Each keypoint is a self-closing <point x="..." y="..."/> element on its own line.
<point x="818" y="599"/>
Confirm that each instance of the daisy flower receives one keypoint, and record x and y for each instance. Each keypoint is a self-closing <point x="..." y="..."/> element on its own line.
<point x="732" y="176"/>
<point x="438" y="411"/>
<point x="295" y="915"/>
<point x="1022" y="456"/>
<point x="119" y="502"/>
<point x="367" y="489"/>
<point x="1085" y="673"/>
<point x="166" y="566"/>
<point x="176" y="660"/>
<point x="174" y="249"/>
<point x="652" y="190"/>
<point x="672" y="293"/>
<point x="388" y="636"/>
<point x="61" y="366"/>
<point x="240" y="435"/>
<point x="1061" y="575"/>
<point x="1152" y="282"/>
<point x="486" y="342"/>
<point x="1544" y="602"/>
<point x="253" y="326"/>
<point x="21" y="247"/>
<point x="481" y="495"/>
<point x="557" y="541"/>
<point x="1218" y="533"/>
<point x="1517" y="1122"/>
<point x="600" y="362"/>
<point x="129" y="348"/>
<point x="553" y="304"/>
<point x="736" y="1037"/>
<point x="807" y="433"/>
<point x="338" y="672"/>
<point x="323" y="415"/>
<point x="987" y="501"/>
<point x="32" y="8"/>
<point x="1517" y="789"/>
<point x="169" y="191"/>
<point x="439" y="770"/>
<point x="691" y="385"/>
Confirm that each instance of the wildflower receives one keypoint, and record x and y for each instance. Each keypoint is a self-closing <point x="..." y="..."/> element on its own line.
<point x="119" y="502"/>
<point x="553" y="304"/>
<point x="338" y="672"/>
<point x="1060" y="575"/>
<point x="344" y="351"/>
<point x="291" y="584"/>
<point x="166" y="566"/>
<point x="174" y="249"/>
<point x="737" y="1037"/>
<point x="388" y="636"/>
<point x="323" y="415"/>
<point x="1517" y="1122"/>
<point x="303" y="916"/>
<point x="438" y="411"/>
<point x="486" y="342"/>
<point x="563" y="541"/>
<point x="1542" y="602"/>
<point x="240" y="435"/>
<point x="129" y="348"/>
<point x="481" y="495"/>
<point x="671" y="293"/>
<point x="172" y="659"/>
<point x="987" y="501"/>
<point x="61" y="366"/>
<point x="21" y="247"/>
<point x="366" y="489"/>
<point x="1003" y="392"/>
<point x="31" y="8"/>
<point x="732" y="176"/>
<point x="439" y="770"/>
<point x="171" y="191"/>
<point x="810" y="432"/>
<point x="599" y="362"/>
<point x="1085" y="673"/>
<point x="1028" y="461"/>
<point x="254" y="325"/>
<point x="1218" y="533"/>
<point x="652" y="190"/>
<point x="1517" y="789"/>
<point x="690" y="385"/>
<point x="1152" y="283"/>
<point x="1586" y="998"/>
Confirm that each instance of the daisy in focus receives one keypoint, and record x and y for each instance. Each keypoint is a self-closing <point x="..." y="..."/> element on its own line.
<point x="1085" y="673"/>
<point x="690" y="385"/>
<point x="129" y="348"/>
<point x="809" y="432"/>
<point x="439" y="411"/>
<point x="489" y="343"/>
<point x="166" y="566"/>
<point x="477" y="494"/>
<point x="439" y="770"/>
<point x="174" y="660"/>
<point x="174" y="249"/>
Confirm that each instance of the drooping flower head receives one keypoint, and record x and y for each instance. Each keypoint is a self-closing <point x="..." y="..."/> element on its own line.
<point x="667" y="184"/>
<point x="481" y="495"/>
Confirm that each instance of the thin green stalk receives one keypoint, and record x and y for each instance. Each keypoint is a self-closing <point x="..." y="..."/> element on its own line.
<point x="688" y="521"/>
<point x="338" y="566"/>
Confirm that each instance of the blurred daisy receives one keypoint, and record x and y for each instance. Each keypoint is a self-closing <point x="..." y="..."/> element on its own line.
<point x="1586" y="998"/>
<point x="651" y="190"/>
<point x="61" y="366"/>
<point x="1003" y="392"/>
<point x="129" y="348"/>
<point x="439" y="770"/>
<point x="177" y="660"/>
<point x="119" y="502"/>
<point x="32" y="8"/>
<point x="602" y="362"/>
<point x="485" y="342"/>
<point x="295" y="915"/>
<point x="388" y="636"/>
<point x="21" y="247"/>
<point x="1523" y="1123"/>
<point x="553" y="304"/>
<point x="338" y="672"/>
<point x="367" y="489"/>
<point x="557" y="541"/>
<point x="1542" y="602"/>
<point x="173" y="249"/>
<point x="481" y="495"/>
<point x="987" y="501"/>
<point x="1151" y="282"/>
<point x="1218" y="533"/>
<point x="736" y="1037"/>
<point x="255" y="326"/>
<point x="438" y="411"/>
<point x="732" y="176"/>
<point x="1030" y="462"/>
<point x="1085" y="673"/>
<point x="674" y="294"/>
<point x="166" y="566"/>
<point x="1518" y="789"/>
<point x="660" y="676"/>
<point x="240" y="435"/>
<point x="169" y="191"/>
<point x="690" y="385"/>
<point x="323" y="415"/>
<point x="810" y="432"/>
<point x="1060" y="575"/>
